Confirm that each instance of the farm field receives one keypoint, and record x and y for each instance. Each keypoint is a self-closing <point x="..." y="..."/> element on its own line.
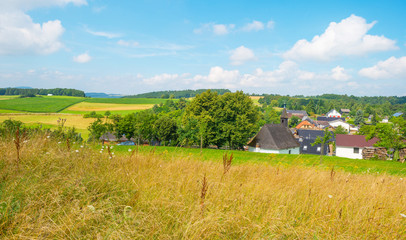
<point x="44" y="104"/>
<point x="81" y="193"/>
<point x="50" y="120"/>
<point x="255" y="99"/>
<point x="102" y="107"/>
<point x="5" y="97"/>
<point x="128" y="100"/>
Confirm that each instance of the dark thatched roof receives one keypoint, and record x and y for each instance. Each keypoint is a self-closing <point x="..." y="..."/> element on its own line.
<point x="274" y="136"/>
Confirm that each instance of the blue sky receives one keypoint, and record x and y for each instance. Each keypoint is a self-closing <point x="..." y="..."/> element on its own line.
<point x="280" y="47"/>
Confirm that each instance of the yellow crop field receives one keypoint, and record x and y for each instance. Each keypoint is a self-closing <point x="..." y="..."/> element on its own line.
<point x="76" y="121"/>
<point x="89" y="106"/>
<point x="255" y="99"/>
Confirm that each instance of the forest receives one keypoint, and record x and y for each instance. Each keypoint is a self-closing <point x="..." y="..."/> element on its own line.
<point x="41" y="91"/>
<point x="177" y="93"/>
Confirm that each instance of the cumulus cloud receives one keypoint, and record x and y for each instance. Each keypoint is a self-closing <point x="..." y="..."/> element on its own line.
<point x="82" y="58"/>
<point x="270" y="24"/>
<point x="160" y="79"/>
<point x="346" y="38"/>
<point x="338" y="73"/>
<point x="241" y="55"/>
<point x="127" y="43"/>
<point x="20" y="35"/>
<point x="253" y="26"/>
<point x="392" y="68"/>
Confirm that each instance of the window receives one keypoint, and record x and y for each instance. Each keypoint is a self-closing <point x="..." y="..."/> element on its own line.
<point x="356" y="150"/>
<point x="300" y="139"/>
<point x="318" y="149"/>
<point x="305" y="147"/>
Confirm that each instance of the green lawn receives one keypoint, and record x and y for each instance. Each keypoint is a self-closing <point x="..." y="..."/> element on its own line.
<point x="358" y="166"/>
<point x="39" y="104"/>
<point x="128" y="100"/>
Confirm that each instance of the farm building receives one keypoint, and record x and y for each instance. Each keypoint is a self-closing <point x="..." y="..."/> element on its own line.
<point x="351" y="146"/>
<point x="345" y="111"/>
<point x="275" y="138"/>
<point x="110" y="137"/>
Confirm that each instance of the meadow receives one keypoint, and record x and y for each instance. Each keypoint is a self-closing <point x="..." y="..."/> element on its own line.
<point x="43" y="104"/>
<point x="85" y="192"/>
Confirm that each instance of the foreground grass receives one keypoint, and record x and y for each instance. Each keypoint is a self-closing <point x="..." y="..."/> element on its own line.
<point x="81" y="193"/>
<point x="45" y="104"/>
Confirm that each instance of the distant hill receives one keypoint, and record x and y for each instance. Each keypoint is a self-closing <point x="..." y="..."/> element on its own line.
<point x="42" y="91"/>
<point x="103" y="95"/>
<point x="177" y="93"/>
<point x="24" y="87"/>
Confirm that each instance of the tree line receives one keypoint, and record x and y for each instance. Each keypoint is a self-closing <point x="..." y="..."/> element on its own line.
<point x="41" y="91"/>
<point x="210" y="119"/>
<point x="177" y="94"/>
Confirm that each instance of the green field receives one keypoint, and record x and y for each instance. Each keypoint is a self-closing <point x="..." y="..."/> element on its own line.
<point x="43" y="104"/>
<point x="359" y="166"/>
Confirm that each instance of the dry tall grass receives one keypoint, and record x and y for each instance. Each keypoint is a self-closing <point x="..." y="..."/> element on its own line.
<point x="82" y="193"/>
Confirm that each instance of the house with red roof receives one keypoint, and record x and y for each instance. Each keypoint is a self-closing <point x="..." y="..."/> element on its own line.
<point x="351" y="146"/>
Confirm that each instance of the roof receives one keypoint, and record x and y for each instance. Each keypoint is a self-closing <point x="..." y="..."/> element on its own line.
<point x="329" y="119"/>
<point x="343" y="140"/>
<point x="274" y="136"/>
<point x="311" y="149"/>
<point x="311" y="134"/>
<point x="345" y="110"/>
<point x="298" y="113"/>
<point x="284" y="113"/>
<point x="305" y="122"/>
<point x="397" y="114"/>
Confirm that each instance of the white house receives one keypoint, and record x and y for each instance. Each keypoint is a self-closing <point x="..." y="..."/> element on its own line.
<point x="333" y="113"/>
<point x="50" y="94"/>
<point x="351" y="146"/>
<point x="341" y="123"/>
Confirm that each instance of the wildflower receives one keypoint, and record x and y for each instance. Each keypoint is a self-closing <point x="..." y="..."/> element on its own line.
<point x="59" y="142"/>
<point x="129" y="149"/>
<point x="401" y="179"/>
<point x="403" y="215"/>
<point x="48" y="136"/>
<point x="81" y="146"/>
<point x="101" y="152"/>
<point x="109" y="157"/>
<point x="77" y="151"/>
<point x="330" y="196"/>
<point x="91" y="208"/>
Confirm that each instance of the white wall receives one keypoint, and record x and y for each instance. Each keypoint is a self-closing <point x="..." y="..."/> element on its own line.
<point x="348" y="152"/>
<point x="281" y="151"/>
<point x="335" y="124"/>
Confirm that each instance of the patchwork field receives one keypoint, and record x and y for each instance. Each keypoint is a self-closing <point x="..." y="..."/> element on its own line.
<point x="42" y="104"/>
<point x="128" y="100"/>
<point x="90" y="106"/>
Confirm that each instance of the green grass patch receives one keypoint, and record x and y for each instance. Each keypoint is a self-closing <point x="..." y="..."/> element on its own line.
<point x="128" y="100"/>
<point x="39" y="104"/>
<point x="358" y="166"/>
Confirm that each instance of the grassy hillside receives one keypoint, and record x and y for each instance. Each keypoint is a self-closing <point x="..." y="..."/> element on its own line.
<point x="39" y="104"/>
<point x="81" y="193"/>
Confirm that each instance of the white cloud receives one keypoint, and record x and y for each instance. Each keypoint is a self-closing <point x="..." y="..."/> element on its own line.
<point x="103" y="34"/>
<point x="82" y="58"/>
<point x="338" y="73"/>
<point x="392" y="68"/>
<point x="160" y="79"/>
<point x="20" y="35"/>
<point x="222" y="29"/>
<point x="127" y="43"/>
<point x="254" y="26"/>
<point x="217" y="29"/>
<point x="346" y="38"/>
<point x="241" y="55"/>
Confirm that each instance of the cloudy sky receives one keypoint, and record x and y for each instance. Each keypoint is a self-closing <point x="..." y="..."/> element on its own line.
<point x="281" y="47"/>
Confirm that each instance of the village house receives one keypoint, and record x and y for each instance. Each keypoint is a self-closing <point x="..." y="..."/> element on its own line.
<point x="307" y="137"/>
<point x="333" y="114"/>
<point x="351" y="146"/>
<point x="275" y="138"/>
<point x="109" y="137"/>
<point x="298" y="113"/>
<point x="345" y="111"/>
